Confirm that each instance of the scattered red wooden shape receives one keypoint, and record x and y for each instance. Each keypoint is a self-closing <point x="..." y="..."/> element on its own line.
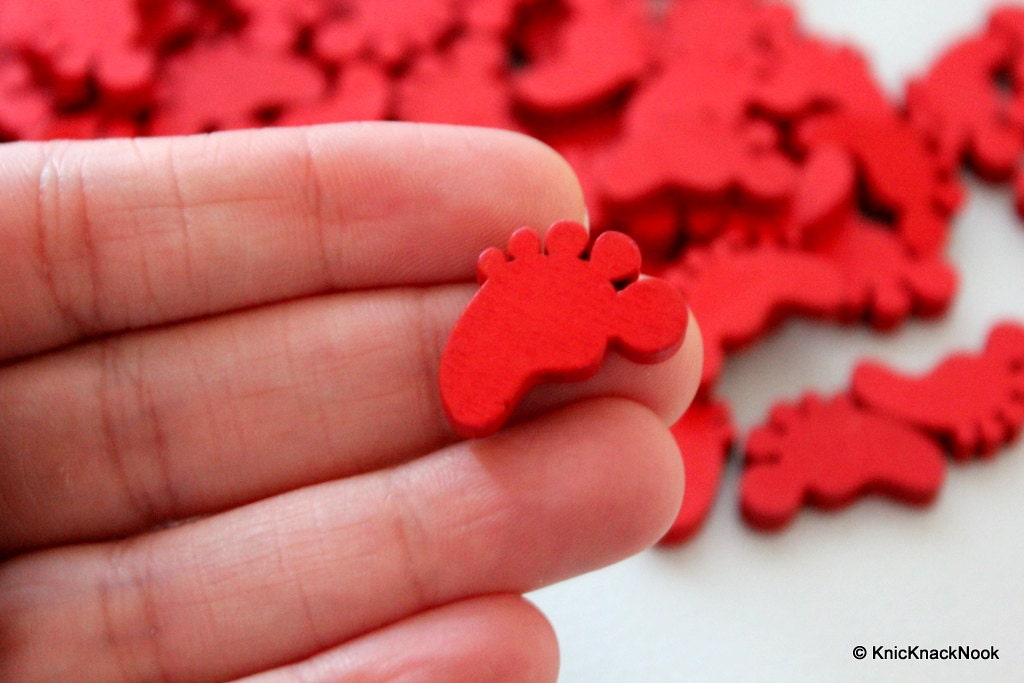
<point x="823" y="197"/>
<point x="655" y="224"/>
<point x="465" y="85"/>
<point x="705" y="434"/>
<point x="886" y="283"/>
<point x="755" y="224"/>
<point x="829" y="452"/>
<point x="25" y="111"/>
<point x="805" y="75"/>
<point x="899" y="171"/>
<point x="1008" y="20"/>
<point x="739" y="294"/>
<point x="164" y="23"/>
<point x="76" y="41"/>
<point x="89" y="125"/>
<point x="734" y="29"/>
<point x="704" y="221"/>
<point x="392" y="31"/>
<point x="973" y="402"/>
<point x="662" y="149"/>
<point x="703" y="144"/>
<point x="550" y="314"/>
<point x="575" y="75"/>
<point x="228" y="84"/>
<point x="276" y="24"/>
<point x="716" y="88"/>
<point x="960" y="109"/>
<point x="582" y="139"/>
<point x="581" y="157"/>
<point x="495" y="17"/>
<point x="669" y="224"/>
<point x="362" y="92"/>
<point x="534" y="33"/>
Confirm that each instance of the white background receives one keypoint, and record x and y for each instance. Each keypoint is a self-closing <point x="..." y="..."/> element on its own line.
<point x="739" y="605"/>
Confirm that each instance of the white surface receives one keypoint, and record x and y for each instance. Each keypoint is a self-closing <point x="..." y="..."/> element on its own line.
<point x="739" y="605"/>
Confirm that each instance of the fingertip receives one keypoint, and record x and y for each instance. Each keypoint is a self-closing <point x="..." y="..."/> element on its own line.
<point x="565" y="184"/>
<point x="640" y="471"/>
<point x="500" y="638"/>
<point x="528" y="643"/>
<point x="583" y="487"/>
<point x="667" y="480"/>
<point x="540" y="189"/>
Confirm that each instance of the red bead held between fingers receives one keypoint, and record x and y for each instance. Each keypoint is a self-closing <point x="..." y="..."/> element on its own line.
<point x="550" y="314"/>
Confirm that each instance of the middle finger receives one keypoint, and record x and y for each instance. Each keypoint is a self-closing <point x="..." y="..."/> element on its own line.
<point x="118" y="435"/>
<point x="284" y="578"/>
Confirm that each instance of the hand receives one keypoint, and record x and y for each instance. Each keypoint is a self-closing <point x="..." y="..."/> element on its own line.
<point x="221" y="446"/>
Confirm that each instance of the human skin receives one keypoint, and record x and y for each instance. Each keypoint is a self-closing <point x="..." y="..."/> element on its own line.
<point x="222" y="450"/>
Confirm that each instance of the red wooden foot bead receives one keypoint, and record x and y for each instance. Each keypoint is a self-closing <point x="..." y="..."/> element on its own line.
<point x="704" y="434"/>
<point x="550" y="314"/>
<point x="738" y="294"/>
<point x="973" y="402"/>
<point x="828" y="453"/>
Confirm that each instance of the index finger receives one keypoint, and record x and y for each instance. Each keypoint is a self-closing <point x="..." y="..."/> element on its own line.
<point x="103" y="236"/>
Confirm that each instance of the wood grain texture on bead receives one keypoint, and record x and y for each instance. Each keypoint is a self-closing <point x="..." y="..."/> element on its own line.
<point x="550" y="313"/>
